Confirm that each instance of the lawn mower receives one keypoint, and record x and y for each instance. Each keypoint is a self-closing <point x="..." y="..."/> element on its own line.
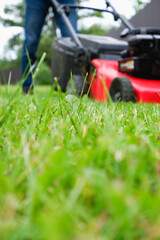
<point x="113" y="69"/>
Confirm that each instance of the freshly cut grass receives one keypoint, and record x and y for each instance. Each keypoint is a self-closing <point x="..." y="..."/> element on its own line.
<point x="77" y="169"/>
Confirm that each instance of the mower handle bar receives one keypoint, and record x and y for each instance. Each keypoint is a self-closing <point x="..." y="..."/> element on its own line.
<point x="118" y="16"/>
<point x="113" y="12"/>
<point x="65" y="6"/>
<point x="108" y="4"/>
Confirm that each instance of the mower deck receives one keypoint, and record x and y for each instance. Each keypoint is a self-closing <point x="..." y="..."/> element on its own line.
<point x="145" y="90"/>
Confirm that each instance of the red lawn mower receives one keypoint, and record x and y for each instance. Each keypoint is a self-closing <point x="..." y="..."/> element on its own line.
<point x="122" y="70"/>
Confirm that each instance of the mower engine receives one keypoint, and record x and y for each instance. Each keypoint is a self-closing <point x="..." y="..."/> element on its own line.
<point x="142" y="58"/>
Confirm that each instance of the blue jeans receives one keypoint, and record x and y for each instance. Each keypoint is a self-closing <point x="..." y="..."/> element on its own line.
<point x="36" y="12"/>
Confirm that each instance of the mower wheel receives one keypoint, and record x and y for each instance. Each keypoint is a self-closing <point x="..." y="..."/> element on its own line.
<point x="77" y="82"/>
<point x="121" y="89"/>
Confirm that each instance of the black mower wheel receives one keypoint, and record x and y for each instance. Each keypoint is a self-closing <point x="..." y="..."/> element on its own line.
<point x="78" y="82"/>
<point x="121" y="90"/>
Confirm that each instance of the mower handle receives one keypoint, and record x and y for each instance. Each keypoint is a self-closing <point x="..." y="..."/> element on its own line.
<point x="118" y="16"/>
<point x="68" y="6"/>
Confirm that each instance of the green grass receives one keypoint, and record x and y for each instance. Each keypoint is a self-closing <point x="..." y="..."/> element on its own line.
<point x="77" y="169"/>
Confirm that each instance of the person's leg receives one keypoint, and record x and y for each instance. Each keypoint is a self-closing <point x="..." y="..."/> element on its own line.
<point x="36" y="11"/>
<point x="72" y="17"/>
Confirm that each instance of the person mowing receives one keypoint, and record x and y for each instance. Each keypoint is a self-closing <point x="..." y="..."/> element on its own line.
<point x="35" y="14"/>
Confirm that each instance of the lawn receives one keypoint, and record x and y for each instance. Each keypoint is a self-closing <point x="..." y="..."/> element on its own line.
<point x="74" y="168"/>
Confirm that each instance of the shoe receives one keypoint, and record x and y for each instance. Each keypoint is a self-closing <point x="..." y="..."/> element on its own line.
<point x="27" y="91"/>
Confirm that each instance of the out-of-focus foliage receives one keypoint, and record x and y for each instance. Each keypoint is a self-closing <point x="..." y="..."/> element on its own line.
<point x="95" y="30"/>
<point x="139" y="4"/>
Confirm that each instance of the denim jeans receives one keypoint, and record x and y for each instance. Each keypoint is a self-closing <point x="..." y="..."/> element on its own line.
<point x="36" y="12"/>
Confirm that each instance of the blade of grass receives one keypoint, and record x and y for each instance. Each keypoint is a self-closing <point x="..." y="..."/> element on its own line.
<point x="39" y="65"/>
<point x="106" y="90"/>
<point x="59" y="96"/>
<point x="94" y="73"/>
<point x="9" y="81"/>
<point x="84" y="83"/>
<point x="71" y="76"/>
